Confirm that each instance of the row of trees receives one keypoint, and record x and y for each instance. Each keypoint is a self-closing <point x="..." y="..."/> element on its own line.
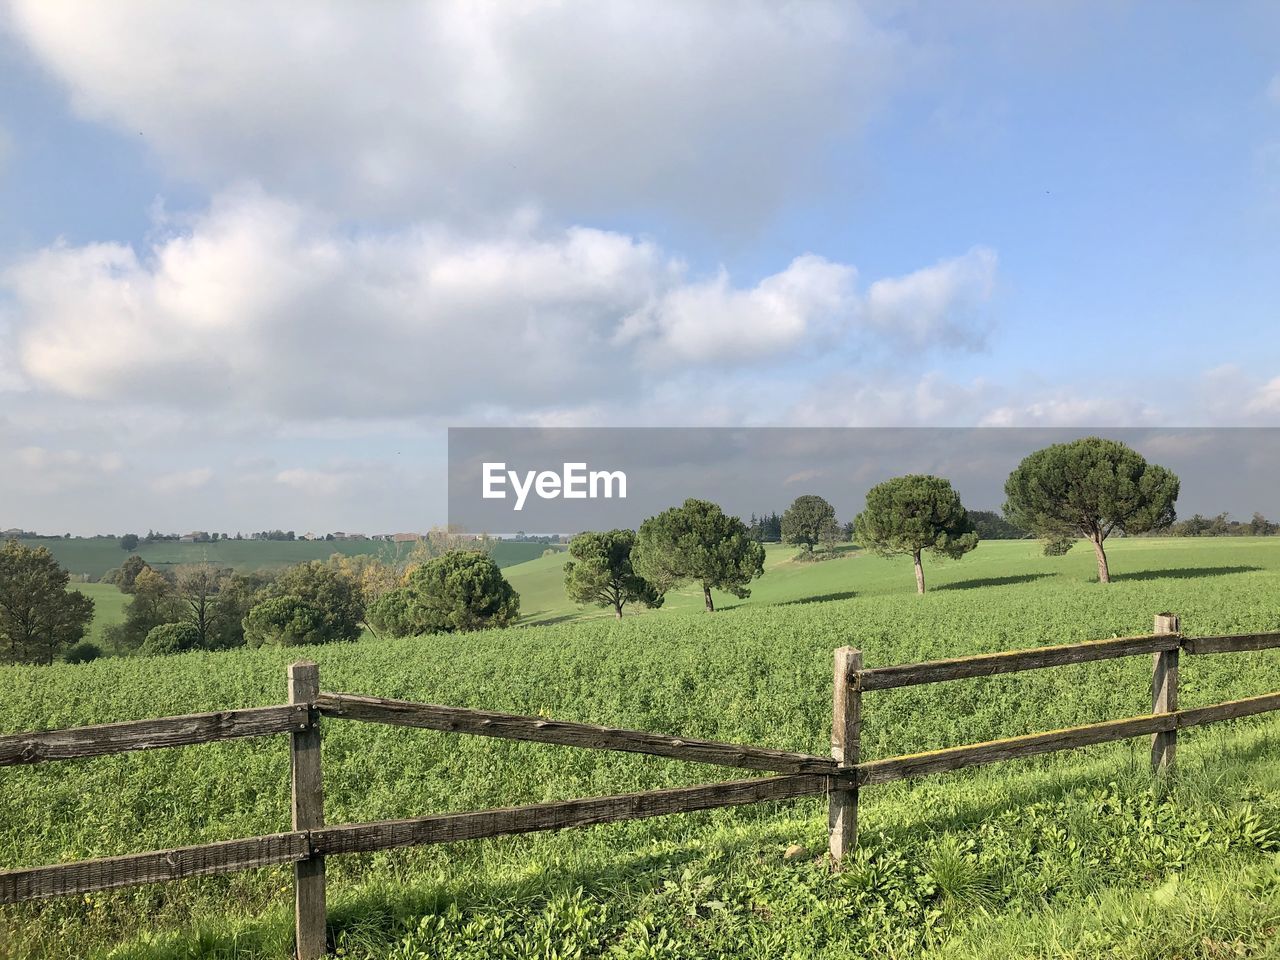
<point x="1198" y="525"/>
<point x="203" y="607"/>
<point x="200" y="607"/>
<point x="696" y="542"/>
<point x="1087" y="489"/>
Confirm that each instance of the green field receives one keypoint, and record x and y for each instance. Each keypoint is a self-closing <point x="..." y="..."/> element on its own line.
<point x="108" y="608"/>
<point x="1067" y="855"/>
<point x="854" y="573"/>
<point x="94" y="556"/>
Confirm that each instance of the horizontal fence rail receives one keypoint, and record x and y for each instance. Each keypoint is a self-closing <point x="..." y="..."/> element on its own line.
<point x="993" y="751"/>
<point x="86" y="876"/>
<point x="508" y="726"/>
<point x="1012" y="661"/>
<point x="839" y="777"/>
<point x="1234" y="644"/>
<point x="1037" y="658"/>
<point x="476" y="825"/>
<point x="230" y="856"/>
<point x="107" y="738"/>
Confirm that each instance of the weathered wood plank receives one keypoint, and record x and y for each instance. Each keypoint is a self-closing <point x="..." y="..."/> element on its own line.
<point x="846" y="735"/>
<point x="85" y="876"/>
<point x="1164" y="695"/>
<point x="1231" y="710"/>
<point x="994" y="751"/>
<point x="1232" y="644"/>
<point x="1011" y="661"/>
<point x="96" y="741"/>
<point x="488" y="723"/>
<point x="474" y="825"/>
<point x="307" y="801"/>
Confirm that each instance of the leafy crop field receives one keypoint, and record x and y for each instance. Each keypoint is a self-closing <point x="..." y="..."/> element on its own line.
<point x="1068" y="855"/>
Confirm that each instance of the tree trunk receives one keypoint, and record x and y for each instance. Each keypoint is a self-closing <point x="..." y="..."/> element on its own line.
<point x="919" y="573"/>
<point x="1104" y="575"/>
<point x="706" y="595"/>
<point x="617" y="611"/>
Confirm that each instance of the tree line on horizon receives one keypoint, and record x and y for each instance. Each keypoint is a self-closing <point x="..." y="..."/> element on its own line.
<point x="1089" y="489"/>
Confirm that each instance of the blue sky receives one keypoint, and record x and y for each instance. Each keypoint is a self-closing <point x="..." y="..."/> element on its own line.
<point x="253" y="263"/>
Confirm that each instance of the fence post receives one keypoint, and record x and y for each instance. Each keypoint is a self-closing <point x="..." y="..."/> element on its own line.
<point x="846" y="721"/>
<point x="308" y="813"/>
<point x="1164" y="694"/>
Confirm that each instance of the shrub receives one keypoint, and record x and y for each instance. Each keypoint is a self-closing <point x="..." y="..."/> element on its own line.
<point x="171" y="638"/>
<point x="82" y="652"/>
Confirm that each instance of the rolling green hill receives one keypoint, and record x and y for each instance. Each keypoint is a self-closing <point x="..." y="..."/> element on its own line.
<point x="108" y="607"/>
<point x="855" y="573"/>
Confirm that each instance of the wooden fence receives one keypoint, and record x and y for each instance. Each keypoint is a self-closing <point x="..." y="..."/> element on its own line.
<point x="796" y="774"/>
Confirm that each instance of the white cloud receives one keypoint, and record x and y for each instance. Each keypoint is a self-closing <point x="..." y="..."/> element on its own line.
<point x="712" y="321"/>
<point x="11" y="379"/>
<point x="940" y="302"/>
<point x="1228" y="395"/>
<point x="1265" y="400"/>
<point x="458" y="105"/>
<point x="882" y="398"/>
<point x="885" y="398"/>
<point x="49" y="471"/>
<point x="264" y="306"/>
<point x="329" y="482"/>
<point x="180" y="481"/>
<point x="261" y="305"/>
<point x="41" y="458"/>
<point x="1065" y="409"/>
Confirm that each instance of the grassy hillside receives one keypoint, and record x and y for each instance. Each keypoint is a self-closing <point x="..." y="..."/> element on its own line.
<point x="855" y="573"/>
<point x="108" y="607"/>
<point x="94" y="556"/>
<point x="953" y="865"/>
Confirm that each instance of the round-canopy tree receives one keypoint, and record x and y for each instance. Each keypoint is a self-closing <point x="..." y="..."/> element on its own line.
<point x="460" y="590"/>
<point x="911" y="514"/>
<point x="698" y="542"/>
<point x="128" y="572"/>
<point x="308" y="603"/>
<point x="1089" y="488"/>
<point x="600" y="572"/>
<point x="809" y="520"/>
<point x="39" y="616"/>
